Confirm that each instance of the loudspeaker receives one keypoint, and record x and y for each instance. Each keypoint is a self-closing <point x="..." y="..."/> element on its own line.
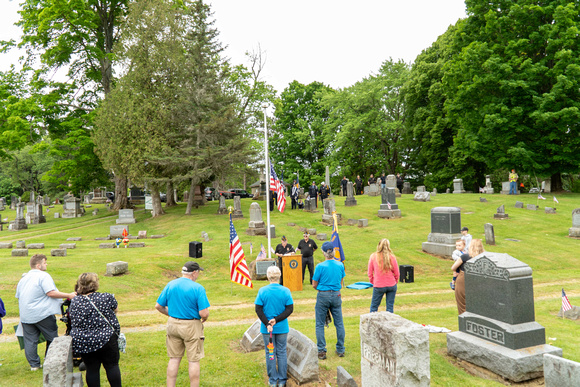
<point x="195" y="249"/>
<point x="406" y="273"/>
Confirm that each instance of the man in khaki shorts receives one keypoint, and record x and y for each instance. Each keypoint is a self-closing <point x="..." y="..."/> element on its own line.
<point x="187" y="306"/>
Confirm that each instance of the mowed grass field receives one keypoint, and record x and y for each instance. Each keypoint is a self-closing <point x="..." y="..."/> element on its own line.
<point x="542" y="242"/>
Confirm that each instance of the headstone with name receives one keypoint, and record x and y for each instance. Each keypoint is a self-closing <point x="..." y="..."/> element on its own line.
<point x="19" y="223"/>
<point x="72" y="208"/>
<point x="445" y="230"/>
<point x="252" y="340"/>
<point x="394" y="351"/>
<point x="458" y="186"/>
<point x="391" y="182"/>
<point x="258" y="269"/>
<point x="488" y="189"/>
<point x="498" y="331"/>
<point x="489" y="234"/>
<point x="519" y="204"/>
<point x="560" y="372"/>
<point x="126" y="216"/>
<point x="350" y="199"/>
<point x="574" y="231"/>
<point x="374" y="190"/>
<point x="237" y="214"/>
<point x="422" y="197"/>
<point x="407" y="188"/>
<point x="256" y="226"/>
<point x="329" y="208"/>
<point x="58" y="365"/>
<point x="500" y="213"/>
<point x="421" y="188"/>
<point x="389" y="208"/>
<point x="302" y="357"/>
<point x="222" y="210"/>
<point x="117" y="231"/>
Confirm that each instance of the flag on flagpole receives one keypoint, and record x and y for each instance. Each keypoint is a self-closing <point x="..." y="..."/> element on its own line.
<point x="556" y="200"/>
<point x="262" y="253"/>
<point x="335" y="240"/>
<point x="565" y="303"/>
<point x="239" y="272"/>
<point x="276" y="185"/>
<point x="541" y="197"/>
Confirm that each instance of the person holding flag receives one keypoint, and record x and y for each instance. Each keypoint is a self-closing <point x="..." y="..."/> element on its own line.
<point x="274" y="305"/>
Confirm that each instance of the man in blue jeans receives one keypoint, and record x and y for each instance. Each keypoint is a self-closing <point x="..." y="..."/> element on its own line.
<point x="328" y="280"/>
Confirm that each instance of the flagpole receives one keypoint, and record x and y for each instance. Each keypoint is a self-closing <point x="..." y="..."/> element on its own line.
<point x="264" y="107"/>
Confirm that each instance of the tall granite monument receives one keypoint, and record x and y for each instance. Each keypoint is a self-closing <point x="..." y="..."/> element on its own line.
<point x="256" y="226"/>
<point x="350" y="200"/>
<point x="458" y="186"/>
<point x="19" y="223"/>
<point x="445" y="230"/>
<point x="498" y="331"/>
<point x="389" y="208"/>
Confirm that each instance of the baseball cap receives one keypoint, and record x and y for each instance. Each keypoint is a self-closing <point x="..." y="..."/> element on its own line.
<point x="284" y="237"/>
<point x="190" y="267"/>
<point x="306" y="233"/>
<point x="326" y="246"/>
<point x="464" y="229"/>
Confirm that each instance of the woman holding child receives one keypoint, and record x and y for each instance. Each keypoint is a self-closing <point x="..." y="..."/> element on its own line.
<point x="475" y="248"/>
<point x="383" y="272"/>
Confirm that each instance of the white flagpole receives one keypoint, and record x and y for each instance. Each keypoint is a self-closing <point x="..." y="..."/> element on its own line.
<point x="264" y="107"/>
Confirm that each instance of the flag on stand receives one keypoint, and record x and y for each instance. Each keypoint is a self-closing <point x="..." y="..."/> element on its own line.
<point x="239" y="272"/>
<point x="276" y="185"/>
<point x="262" y="253"/>
<point x="481" y="190"/>
<point x="335" y="240"/>
<point x="556" y="200"/>
<point x="565" y="303"/>
<point x="541" y="197"/>
<point x="389" y="205"/>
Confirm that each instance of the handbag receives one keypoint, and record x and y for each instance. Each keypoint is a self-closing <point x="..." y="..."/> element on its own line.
<point x="121" y="339"/>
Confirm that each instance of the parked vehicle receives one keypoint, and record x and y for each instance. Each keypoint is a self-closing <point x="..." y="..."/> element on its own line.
<point x="110" y="196"/>
<point x="226" y="194"/>
<point x="211" y="194"/>
<point x="163" y="197"/>
<point x="241" y="193"/>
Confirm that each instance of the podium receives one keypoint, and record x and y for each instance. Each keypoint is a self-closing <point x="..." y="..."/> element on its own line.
<point x="292" y="272"/>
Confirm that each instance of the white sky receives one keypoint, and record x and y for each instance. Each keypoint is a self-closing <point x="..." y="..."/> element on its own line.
<point x="336" y="42"/>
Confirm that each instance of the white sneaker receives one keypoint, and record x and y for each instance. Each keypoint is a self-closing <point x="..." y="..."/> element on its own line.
<point x="35" y="368"/>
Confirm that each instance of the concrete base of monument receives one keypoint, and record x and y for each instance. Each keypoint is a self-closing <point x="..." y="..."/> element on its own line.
<point x="515" y="365"/>
<point x="350" y="202"/>
<point x="389" y="214"/>
<point x="442" y="249"/>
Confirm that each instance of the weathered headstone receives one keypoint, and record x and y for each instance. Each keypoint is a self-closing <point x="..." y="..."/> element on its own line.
<point x="560" y="372"/>
<point x="46" y="200"/>
<point x="20" y="252"/>
<point x="488" y="189"/>
<point x="72" y="208"/>
<point x="74" y="239"/>
<point x="252" y="340"/>
<point x="20" y="244"/>
<point x="205" y="236"/>
<point x="366" y="190"/>
<point x="391" y="182"/>
<point x="445" y="230"/>
<point x="321" y="236"/>
<point x="39" y="214"/>
<point x="447" y="191"/>
<point x="374" y="190"/>
<point x="222" y="210"/>
<point x="256" y="226"/>
<point x="19" y="223"/>
<point x="56" y="215"/>
<point x="363" y="222"/>
<point x="350" y="199"/>
<point x="58" y="252"/>
<point x="344" y="379"/>
<point x="572" y="314"/>
<point x="532" y="207"/>
<point x="107" y="245"/>
<point x="237" y="208"/>
<point x="489" y="234"/>
<point x="311" y="231"/>
<point x="434" y="193"/>
<point x="394" y="351"/>
<point x="302" y="357"/>
<point x="5" y="245"/>
<point x="458" y="186"/>
<point x="519" y="204"/>
<point x="117" y="231"/>
<point x="329" y="208"/>
<point x="327" y="177"/>
<point x="117" y="268"/>
<point x="407" y="188"/>
<point x="498" y="330"/>
<point x="550" y="210"/>
<point x="500" y="213"/>
<point x="272" y="231"/>
<point x="422" y="197"/>
<point x="134" y="245"/>
<point x="482" y="200"/>
<point x="574" y="231"/>
<point x="13" y="202"/>
<point x="36" y="246"/>
<point x="58" y="365"/>
<point x="142" y="234"/>
<point x="68" y="246"/>
<point x="258" y="268"/>
<point x="352" y="222"/>
<point x="389" y="208"/>
<point x="30" y="214"/>
<point x="421" y="188"/>
<point x="505" y="188"/>
<point x="126" y="216"/>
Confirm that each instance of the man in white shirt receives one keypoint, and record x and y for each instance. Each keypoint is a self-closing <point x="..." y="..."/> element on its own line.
<point x="38" y="300"/>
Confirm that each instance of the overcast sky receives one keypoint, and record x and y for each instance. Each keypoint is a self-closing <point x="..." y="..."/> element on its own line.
<point x="336" y="42"/>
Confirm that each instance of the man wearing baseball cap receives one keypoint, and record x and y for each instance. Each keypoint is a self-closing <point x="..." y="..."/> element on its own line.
<point x="186" y="304"/>
<point x="328" y="280"/>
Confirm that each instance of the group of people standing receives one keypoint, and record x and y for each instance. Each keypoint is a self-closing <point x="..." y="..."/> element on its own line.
<point x="358" y="183"/>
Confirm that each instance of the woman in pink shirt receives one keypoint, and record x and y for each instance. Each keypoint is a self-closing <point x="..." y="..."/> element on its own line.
<point x="384" y="275"/>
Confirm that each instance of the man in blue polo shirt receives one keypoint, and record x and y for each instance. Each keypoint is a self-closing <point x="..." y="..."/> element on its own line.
<point x="328" y="280"/>
<point x="187" y="306"/>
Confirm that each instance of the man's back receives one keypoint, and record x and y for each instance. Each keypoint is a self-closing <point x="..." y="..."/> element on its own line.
<point x="184" y="298"/>
<point x="33" y="302"/>
<point x="329" y="275"/>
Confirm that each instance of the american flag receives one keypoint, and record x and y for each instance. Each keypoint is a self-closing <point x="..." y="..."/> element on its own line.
<point x="565" y="303"/>
<point x="556" y="200"/>
<point x="389" y="205"/>
<point x="239" y="272"/>
<point x="262" y="253"/>
<point x="276" y="185"/>
<point x="541" y="197"/>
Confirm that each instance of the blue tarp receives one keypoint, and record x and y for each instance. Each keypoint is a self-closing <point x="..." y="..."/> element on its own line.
<point x="360" y="285"/>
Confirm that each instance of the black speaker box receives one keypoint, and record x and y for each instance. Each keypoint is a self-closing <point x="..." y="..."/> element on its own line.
<point x="406" y="273"/>
<point x="195" y="249"/>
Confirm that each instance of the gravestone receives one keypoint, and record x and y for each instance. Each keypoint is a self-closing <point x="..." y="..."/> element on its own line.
<point x="258" y="269"/>
<point x="117" y="231"/>
<point x="350" y="199"/>
<point x="46" y="200"/>
<point x="107" y="245"/>
<point x="394" y="351"/>
<point x="391" y="182"/>
<point x="447" y="191"/>
<point x="519" y="205"/>
<point x="36" y="245"/>
<point x="458" y="186"/>
<point x="30" y="214"/>
<point x="302" y="357"/>
<point x="39" y="215"/>
<point x="256" y="226"/>
<point x="2" y="204"/>
<point x="445" y="230"/>
<point x="68" y="246"/>
<point x="352" y="222"/>
<point x="222" y="210"/>
<point x="532" y="207"/>
<point x="252" y="340"/>
<point x="363" y="222"/>
<point x="20" y="244"/>
<point x="95" y="212"/>
<point x="389" y="208"/>
<point x="72" y="208"/>
<point x="5" y="245"/>
<point x="374" y="189"/>
<point x="58" y="365"/>
<point x="547" y="185"/>
<point x="56" y="215"/>
<point x="498" y="331"/>
<point x="20" y="252"/>
<point x="407" y="188"/>
<point x="148" y="202"/>
<point x="13" y="202"/>
<point x="311" y="231"/>
<point x="489" y="234"/>
<point x="421" y="188"/>
<point x="126" y="217"/>
<point x="310" y="205"/>
<point x="572" y="314"/>
<point x="329" y="208"/>
<point x="549" y="210"/>
<point x="117" y="268"/>
<point x="344" y="379"/>
<point x="272" y="231"/>
<point x="505" y="188"/>
<point x="366" y="190"/>
<point x="58" y="252"/>
<point x="142" y="234"/>
<point x="482" y="200"/>
<point x="327" y="178"/>
<point x="19" y="223"/>
<point x="321" y="236"/>
<point x="560" y="372"/>
<point x="434" y="193"/>
<point x="500" y="213"/>
<point x="488" y="189"/>
<point x="422" y="197"/>
<point x="237" y="214"/>
<point x="205" y="236"/>
<point x="574" y="231"/>
<point x="136" y="245"/>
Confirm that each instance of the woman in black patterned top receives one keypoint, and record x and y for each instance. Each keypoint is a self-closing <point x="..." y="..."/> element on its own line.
<point x="95" y="333"/>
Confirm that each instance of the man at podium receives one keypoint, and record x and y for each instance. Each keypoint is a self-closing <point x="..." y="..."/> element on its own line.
<point x="284" y="248"/>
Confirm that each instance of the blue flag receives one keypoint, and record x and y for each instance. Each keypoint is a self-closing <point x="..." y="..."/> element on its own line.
<point x="335" y="240"/>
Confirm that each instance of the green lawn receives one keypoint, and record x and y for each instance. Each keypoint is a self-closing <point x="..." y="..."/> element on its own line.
<point x="543" y="244"/>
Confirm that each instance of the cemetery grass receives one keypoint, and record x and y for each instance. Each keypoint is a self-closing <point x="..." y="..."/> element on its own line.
<point x="542" y="243"/>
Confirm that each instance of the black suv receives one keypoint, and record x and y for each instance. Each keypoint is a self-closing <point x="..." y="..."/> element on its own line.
<point x="241" y="193"/>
